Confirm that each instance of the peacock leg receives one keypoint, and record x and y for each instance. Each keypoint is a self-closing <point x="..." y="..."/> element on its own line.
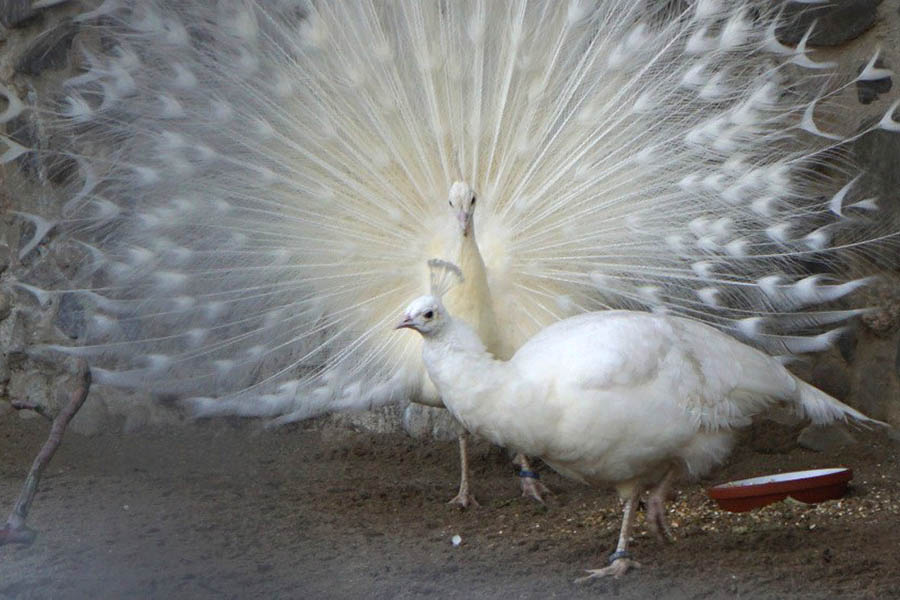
<point x="620" y="560"/>
<point x="656" y="507"/>
<point x="531" y="483"/>
<point x="464" y="498"/>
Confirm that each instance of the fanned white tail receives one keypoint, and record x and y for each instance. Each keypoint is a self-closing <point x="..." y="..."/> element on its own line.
<point x="262" y="182"/>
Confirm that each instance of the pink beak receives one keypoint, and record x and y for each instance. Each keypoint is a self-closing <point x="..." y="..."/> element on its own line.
<point x="464" y="221"/>
<point x="406" y="322"/>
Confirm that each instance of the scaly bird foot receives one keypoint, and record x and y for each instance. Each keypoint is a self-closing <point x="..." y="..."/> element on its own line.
<point x="619" y="567"/>
<point x="532" y="486"/>
<point x="464" y="499"/>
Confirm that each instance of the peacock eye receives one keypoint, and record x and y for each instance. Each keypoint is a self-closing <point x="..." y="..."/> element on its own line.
<point x="473" y="200"/>
<point x="429" y="314"/>
<point x="450" y="202"/>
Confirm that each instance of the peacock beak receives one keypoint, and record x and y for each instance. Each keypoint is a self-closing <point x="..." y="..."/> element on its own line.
<point x="407" y="322"/>
<point x="465" y="221"/>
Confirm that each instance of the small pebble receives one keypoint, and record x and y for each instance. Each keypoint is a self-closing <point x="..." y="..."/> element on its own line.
<point x="456" y="540"/>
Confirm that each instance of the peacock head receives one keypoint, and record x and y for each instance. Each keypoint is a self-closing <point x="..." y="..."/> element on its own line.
<point x="462" y="203"/>
<point x="425" y="314"/>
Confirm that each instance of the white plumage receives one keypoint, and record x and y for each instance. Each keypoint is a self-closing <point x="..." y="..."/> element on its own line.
<point x="261" y="184"/>
<point x="622" y="397"/>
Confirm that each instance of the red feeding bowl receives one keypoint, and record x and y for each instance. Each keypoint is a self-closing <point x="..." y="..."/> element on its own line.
<point x="812" y="486"/>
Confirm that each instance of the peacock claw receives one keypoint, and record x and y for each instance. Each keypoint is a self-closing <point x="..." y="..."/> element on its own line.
<point x="464" y="500"/>
<point x="533" y="488"/>
<point x="619" y="567"/>
<point x="530" y="479"/>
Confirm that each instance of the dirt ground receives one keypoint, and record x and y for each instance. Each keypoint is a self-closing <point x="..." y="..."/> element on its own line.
<point x="225" y="510"/>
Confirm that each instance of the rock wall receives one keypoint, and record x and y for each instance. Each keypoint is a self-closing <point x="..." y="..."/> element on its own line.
<point x="39" y="49"/>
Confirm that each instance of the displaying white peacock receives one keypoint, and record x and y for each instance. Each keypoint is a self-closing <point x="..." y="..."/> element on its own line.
<point x="261" y="183"/>
<point x="623" y="397"/>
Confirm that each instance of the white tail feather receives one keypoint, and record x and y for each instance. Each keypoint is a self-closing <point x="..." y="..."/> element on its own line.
<point x="820" y="408"/>
<point x="265" y="180"/>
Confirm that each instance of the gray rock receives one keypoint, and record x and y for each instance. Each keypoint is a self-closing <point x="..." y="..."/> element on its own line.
<point x="875" y="392"/>
<point x="49" y="51"/>
<point x="783" y="416"/>
<point x="876" y="386"/>
<point x="423" y="422"/>
<point x="380" y="420"/>
<point x="4" y="257"/>
<point x="894" y="434"/>
<point x="59" y="168"/>
<point x="17" y="13"/>
<point x="446" y="428"/>
<point x="47" y="159"/>
<point x="884" y="298"/>
<point x="72" y="260"/>
<point x="417" y="420"/>
<point x="17" y="339"/>
<point x="830" y="375"/>
<point x="825" y="438"/>
<point x="42" y="272"/>
<point x="5" y="305"/>
<point x="846" y="344"/>
<point x="32" y="388"/>
<point x="20" y="13"/>
<point x="836" y="22"/>
<point x="868" y="91"/>
<point x="5" y="376"/>
<point x="24" y="131"/>
<point x="879" y="152"/>
<point x="70" y="316"/>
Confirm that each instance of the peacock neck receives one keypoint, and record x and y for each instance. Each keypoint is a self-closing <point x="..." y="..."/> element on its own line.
<point x="471" y="301"/>
<point x="469" y="257"/>
<point x="465" y="374"/>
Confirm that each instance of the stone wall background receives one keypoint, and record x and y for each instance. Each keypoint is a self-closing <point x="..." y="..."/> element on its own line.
<point x="39" y="48"/>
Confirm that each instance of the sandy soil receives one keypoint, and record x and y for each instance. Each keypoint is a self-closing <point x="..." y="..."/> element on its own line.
<point x="223" y="510"/>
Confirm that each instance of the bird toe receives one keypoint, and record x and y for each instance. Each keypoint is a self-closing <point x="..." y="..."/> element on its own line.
<point x="619" y="567"/>
<point x="464" y="500"/>
<point x="533" y="488"/>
